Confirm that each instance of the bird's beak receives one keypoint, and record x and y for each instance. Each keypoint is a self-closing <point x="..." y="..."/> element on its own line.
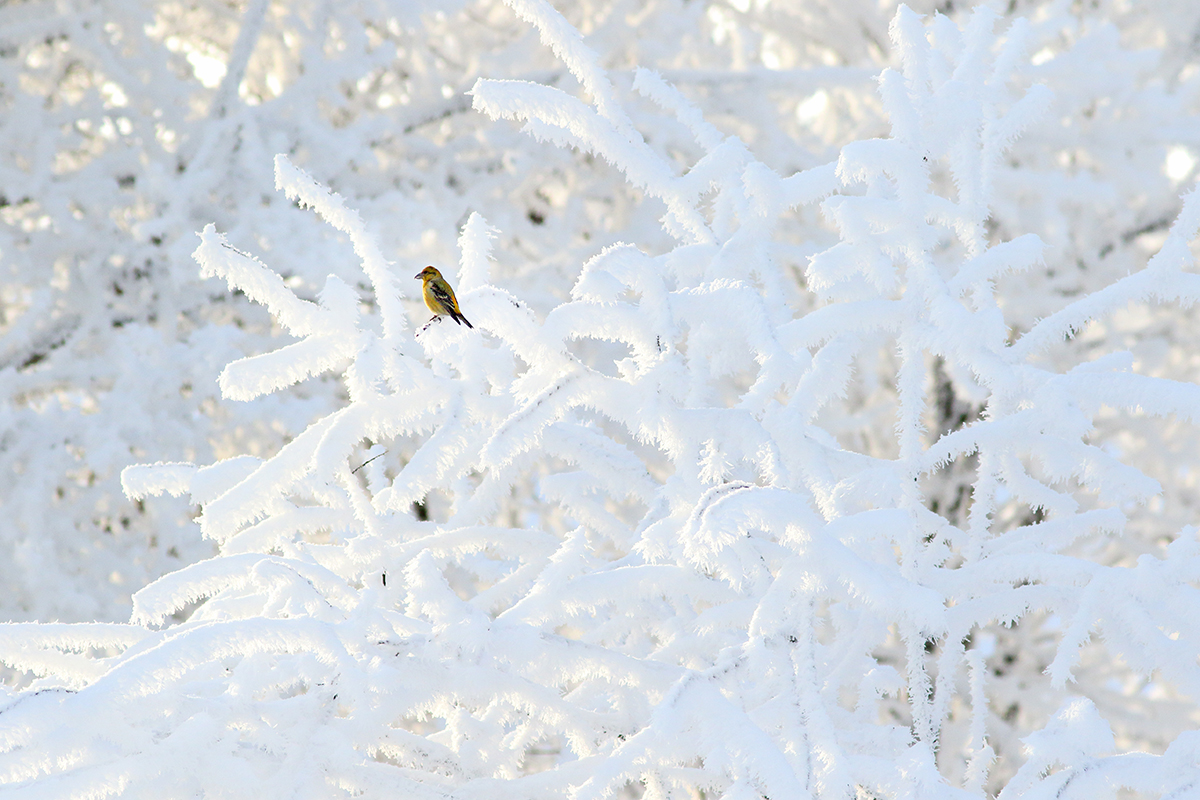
<point x="417" y="275"/>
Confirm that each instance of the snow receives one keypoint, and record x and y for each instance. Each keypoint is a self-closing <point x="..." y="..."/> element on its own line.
<point x="815" y="437"/>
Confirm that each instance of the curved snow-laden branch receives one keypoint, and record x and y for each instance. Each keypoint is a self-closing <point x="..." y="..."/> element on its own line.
<point x="568" y="46"/>
<point x="153" y="604"/>
<point x="299" y="186"/>
<point x="1163" y="279"/>
<point x="218" y="258"/>
<point x="553" y="115"/>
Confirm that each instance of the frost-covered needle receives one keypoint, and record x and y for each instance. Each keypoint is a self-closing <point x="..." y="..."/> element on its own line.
<point x="439" y="296"/>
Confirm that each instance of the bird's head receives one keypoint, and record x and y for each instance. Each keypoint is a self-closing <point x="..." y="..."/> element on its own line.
<point x="428" y="274"/>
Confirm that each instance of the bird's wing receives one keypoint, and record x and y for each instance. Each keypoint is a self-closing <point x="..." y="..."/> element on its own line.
<point x="444" y="295"/>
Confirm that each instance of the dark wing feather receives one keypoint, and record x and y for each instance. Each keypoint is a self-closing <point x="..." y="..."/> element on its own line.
<point x="448" y="301"/>
<point x="443" y="296"/>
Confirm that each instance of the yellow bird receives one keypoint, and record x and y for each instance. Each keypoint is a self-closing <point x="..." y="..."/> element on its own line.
<point x="439" y="296"/>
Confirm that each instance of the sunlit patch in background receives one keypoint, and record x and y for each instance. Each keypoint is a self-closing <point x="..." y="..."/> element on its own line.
<point x="812" y="107"/>
<point x="1179" y="164"/>
<point x="208" y="70"/>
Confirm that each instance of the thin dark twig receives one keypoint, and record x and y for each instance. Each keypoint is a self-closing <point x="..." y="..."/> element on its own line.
<point x="368" y="461"/>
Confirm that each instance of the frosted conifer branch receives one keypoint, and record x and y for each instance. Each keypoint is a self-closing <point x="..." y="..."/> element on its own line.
<point x="298" y="186"/>
<point x="764" y="512"/>
<point x="475" y="244"/>
<point x="553" y="115"/>
<point x="144" y="480"/>
<point x="218" y="258"/>
<point x="568" y="46"/>
<point x="650" y="84"/>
